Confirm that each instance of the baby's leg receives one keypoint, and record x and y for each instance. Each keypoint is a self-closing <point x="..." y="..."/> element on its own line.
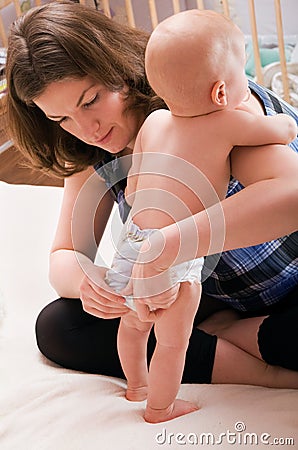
<point x="132" y="348"/>
<point x="172" y="331"/>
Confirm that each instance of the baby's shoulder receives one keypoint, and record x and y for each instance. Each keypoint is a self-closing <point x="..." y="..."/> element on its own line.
<point x="231" y="118"/>
<point x="156" y="121"/>
<point x="158" y="114"/>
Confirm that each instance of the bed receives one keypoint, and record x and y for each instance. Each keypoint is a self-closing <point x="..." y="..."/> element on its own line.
<point x="46" y="407"/>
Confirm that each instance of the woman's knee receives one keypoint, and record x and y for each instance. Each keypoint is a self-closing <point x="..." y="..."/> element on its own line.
<point x="278" y="339"/>
<point x="70" y="337"/>
<point x="54" y="323"/>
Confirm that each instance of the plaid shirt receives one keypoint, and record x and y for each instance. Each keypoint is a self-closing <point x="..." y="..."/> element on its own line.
<point x="250" y="278"/>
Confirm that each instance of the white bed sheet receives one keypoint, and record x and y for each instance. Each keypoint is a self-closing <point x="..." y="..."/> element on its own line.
<point x="46" y="407"/>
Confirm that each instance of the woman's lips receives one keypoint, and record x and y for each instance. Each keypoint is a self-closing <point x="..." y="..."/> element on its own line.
<point x="105" y="139"/>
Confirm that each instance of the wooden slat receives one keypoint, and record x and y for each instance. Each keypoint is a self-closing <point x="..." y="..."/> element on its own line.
<point x="200" y="4"/>
<point x="4" y="3"/>
<point x="226" y="8"/>
<point x="130" y="14"/>
<point x="176" y="6"/>
<point x="255" y="42"/>
<point x="3" y="33"/>
<point x="17" y="7"/>
<point x="106" y="8"/>
<point x="281" y="46"/>
<point x="153" y="13"/>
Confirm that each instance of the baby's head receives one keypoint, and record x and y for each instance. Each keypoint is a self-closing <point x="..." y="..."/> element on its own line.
<point x="195" y="61"/>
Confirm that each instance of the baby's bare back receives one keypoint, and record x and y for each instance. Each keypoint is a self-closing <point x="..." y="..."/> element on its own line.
<point x="183" y="167"/>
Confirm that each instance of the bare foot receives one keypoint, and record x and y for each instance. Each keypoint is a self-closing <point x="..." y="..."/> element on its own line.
<point x="137" y="394"/>
<point x="219" y="321"/>
<point x="176" y="409"/>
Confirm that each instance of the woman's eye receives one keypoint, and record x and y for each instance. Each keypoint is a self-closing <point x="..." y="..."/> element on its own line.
<point x="62" y="120"/>
<point x="91" y="102"/>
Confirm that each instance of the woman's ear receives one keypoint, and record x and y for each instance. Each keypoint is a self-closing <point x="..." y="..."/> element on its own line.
<point x="218" y="94"/>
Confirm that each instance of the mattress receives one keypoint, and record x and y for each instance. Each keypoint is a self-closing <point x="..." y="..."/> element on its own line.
<point x="46" y="407"/>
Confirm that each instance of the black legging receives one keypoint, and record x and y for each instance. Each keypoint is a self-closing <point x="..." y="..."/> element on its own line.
<point x="69" y="336"/>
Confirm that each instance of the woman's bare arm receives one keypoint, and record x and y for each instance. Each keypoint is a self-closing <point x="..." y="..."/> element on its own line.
<point x="270" y="200"/>
<point x="85" y="210"/>
<point x="266" y="209"/>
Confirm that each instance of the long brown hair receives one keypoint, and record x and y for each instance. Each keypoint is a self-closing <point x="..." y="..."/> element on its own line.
<point x="69" y="40"/>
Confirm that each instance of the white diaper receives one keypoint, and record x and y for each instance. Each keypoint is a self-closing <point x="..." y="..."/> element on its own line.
<point x="130" y="242"/>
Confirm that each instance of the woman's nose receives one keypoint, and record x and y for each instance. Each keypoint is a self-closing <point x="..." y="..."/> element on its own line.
<point x="89" y="127"/>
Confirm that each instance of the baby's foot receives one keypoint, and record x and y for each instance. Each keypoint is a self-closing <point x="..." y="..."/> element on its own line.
<point x="137" y="394"/>
<point x="176" y="409"/>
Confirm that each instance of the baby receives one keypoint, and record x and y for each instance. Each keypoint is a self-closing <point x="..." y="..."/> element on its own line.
<point x="195" y="61"/>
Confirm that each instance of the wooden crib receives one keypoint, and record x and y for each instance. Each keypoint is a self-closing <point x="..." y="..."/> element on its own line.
<point x="18" y="9"/>
<point x="225" y="7"/>
<point x="175" y="6"/>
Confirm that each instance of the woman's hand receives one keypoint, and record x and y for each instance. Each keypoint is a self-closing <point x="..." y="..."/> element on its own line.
<point x="150" y="284"/>
<point x="98" y="298"/>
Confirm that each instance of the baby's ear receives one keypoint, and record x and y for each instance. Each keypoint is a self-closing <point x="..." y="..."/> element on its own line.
<point x="218" y="94"/>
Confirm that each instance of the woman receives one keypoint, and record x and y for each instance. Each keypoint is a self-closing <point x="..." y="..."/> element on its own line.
<point x="76" y="99"/>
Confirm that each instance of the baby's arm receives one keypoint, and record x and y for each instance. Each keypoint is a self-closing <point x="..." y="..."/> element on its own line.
<point x="250" y="129"/>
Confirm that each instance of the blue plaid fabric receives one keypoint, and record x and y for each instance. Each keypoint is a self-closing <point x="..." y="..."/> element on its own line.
<point x="115" y="178"/>
<point x="252" y="278"/>
<point x="248" y="279"/>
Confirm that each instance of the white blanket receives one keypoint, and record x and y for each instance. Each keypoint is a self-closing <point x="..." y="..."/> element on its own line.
<point x="46" y="407"/>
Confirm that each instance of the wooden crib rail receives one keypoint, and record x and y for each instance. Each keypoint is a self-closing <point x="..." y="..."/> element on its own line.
<point x="176" y="8"/>
<point x="281" y="47"/>
<point x="255" y="41"/>
<point x="4" y="4"/>
<point x="225" y="6"/>
<point x="18" y="13"/>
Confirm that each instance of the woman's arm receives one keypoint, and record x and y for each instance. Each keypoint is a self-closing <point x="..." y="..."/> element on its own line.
<point x="265" y="210"/>
<point x="270" y="199"/>
<point x="84" y="213"/>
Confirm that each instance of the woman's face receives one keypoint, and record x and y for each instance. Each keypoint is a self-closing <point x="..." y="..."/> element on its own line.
<point x="91" y="112"/>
